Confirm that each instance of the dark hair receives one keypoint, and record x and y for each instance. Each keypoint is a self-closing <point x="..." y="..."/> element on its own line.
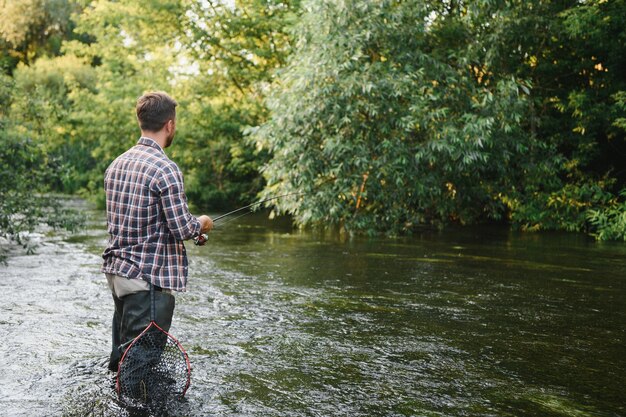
<point x="154" y="110"/>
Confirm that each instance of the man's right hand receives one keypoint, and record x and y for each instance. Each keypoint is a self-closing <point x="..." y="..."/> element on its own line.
<point x="206" y="224"/>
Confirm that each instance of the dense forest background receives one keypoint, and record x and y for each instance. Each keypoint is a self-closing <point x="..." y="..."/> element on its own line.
<point x="384" y="115"/>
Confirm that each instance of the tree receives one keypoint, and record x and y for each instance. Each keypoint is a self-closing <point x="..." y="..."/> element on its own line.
<point x="388" y="116"/>
<point x="236" y="49"/>
<point x="33" y="28"/>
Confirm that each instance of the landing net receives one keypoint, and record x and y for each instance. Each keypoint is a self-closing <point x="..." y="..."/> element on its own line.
<point x="153" y="370"/>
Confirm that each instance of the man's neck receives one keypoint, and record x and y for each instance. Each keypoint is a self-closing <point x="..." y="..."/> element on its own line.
<point x="158" y="137"/>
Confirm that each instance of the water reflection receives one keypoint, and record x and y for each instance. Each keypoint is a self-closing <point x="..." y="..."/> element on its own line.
<point x="283" y="323"/>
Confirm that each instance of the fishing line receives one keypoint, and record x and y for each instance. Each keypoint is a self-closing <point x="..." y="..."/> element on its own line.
<point x="201" y="240"/>
<point x="222" y="224"/>
<point x="254" y="204"/>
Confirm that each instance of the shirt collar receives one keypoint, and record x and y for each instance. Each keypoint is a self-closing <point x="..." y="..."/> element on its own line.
<point x="149" y="142"/>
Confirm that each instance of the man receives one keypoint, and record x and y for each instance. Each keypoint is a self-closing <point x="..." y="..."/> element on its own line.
<point x="147" y="220"/>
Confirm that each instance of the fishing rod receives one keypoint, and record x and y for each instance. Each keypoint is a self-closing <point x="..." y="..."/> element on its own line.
<point x="201" y="239"/>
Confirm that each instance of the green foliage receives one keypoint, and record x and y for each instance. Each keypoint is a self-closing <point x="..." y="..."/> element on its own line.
<point x="609" y="222"/>
<point x="385" y="115"/>
<point x="571" y="54"/>
<point x="397" y="113"/>
<point x="44" y="106"/>
<point x="620" y="110"/>
<point x="25" y="171"/>
<point x="30" y="29"/>
<point x="385" y="129"/>
<point x="236" y="50"/>
<point x="565" y="209"/>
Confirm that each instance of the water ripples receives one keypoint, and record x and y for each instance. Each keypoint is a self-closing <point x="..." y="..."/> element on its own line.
<point x="289" y="324"/>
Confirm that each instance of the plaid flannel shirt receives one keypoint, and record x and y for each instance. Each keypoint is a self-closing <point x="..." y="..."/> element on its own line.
<point x="147" y="217"/>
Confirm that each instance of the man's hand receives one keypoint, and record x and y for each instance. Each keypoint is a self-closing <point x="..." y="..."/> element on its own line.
<point x="206" y="223"/>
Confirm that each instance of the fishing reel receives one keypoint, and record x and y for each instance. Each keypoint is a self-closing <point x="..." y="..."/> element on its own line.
<point x="200" y="240"/>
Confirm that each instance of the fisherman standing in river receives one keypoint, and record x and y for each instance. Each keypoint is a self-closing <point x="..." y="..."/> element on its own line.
<point x="147" y="220"/>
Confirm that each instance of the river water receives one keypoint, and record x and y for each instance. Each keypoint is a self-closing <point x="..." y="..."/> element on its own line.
<point x="280" y="322"/>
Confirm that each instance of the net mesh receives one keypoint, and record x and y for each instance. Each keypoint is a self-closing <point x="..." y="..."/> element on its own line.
<point x="154" y="369"/>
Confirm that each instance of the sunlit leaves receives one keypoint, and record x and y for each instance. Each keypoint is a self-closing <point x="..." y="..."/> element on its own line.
<point x="32" y="28"/>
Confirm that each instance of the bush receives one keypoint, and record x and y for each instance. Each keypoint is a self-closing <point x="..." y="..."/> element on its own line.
<point x="609" y="223"/>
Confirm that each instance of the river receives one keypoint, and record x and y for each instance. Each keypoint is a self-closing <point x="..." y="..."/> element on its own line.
<point x="282" y="322"/>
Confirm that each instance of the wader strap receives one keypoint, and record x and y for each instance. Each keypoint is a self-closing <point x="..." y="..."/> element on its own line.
<point x="152" y="312"/>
